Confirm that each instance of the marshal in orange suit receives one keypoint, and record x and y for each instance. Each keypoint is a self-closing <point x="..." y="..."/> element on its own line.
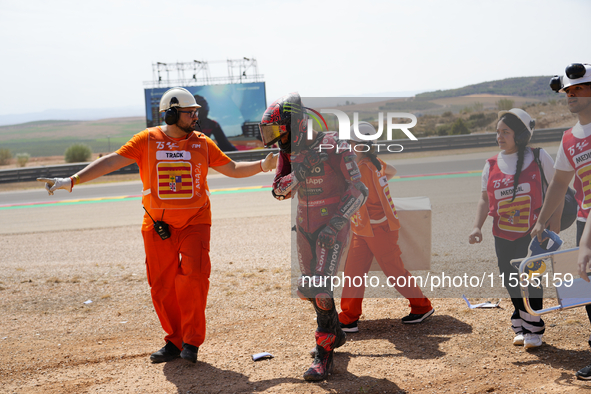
<point x="173" y="161"/>
<point x="375" y="234"/>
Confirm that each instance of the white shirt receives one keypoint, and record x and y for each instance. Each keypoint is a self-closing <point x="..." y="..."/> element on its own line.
<point x="562" y="162"/>
<point x="508" y="165"/>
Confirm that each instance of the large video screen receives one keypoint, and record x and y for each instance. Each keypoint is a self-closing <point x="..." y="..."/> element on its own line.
<point x="236" y="107"/>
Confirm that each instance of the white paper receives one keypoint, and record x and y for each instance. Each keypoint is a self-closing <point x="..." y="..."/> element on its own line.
<point x="88" y="302"/>
<point x="486" y="304"/>
<point x="260" y="356"/>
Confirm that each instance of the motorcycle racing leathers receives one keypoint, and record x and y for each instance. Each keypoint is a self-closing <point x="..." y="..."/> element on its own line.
<point x="329" y="188"/>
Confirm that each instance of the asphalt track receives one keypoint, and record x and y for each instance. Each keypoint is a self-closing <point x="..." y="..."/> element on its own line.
<point x="451" y="182"/>
<point x="445" y="179"/>
<point x="436" y="165"/>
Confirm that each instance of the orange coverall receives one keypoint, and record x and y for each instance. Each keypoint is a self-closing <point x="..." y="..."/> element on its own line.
<point x="375" y="234"/>
<point x="173" y="173"/>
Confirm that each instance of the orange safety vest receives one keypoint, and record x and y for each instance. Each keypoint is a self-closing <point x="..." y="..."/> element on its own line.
<point x="376" y="180"/>
<point x="177" y="172"/>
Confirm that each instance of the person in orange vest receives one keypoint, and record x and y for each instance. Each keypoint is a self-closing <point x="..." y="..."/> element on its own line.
<point x="375" y="234"/>
<point x="512" y="193"/>
<point x="173" y="161"/>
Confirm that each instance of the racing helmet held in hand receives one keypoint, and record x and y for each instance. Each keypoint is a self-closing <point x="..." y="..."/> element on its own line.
<point x="286" y="116"/>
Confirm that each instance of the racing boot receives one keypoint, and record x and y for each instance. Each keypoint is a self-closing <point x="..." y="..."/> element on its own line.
<point x="341" y="339"/>
<point x="323" y="360"/>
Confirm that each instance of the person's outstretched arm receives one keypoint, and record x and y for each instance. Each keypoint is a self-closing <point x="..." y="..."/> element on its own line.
<point x="97" y="168"/>
<point x="243" y="169"/>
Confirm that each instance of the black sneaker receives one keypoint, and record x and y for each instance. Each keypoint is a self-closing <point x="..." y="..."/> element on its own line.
<point x="351" y="327"/>
<point x="168" y="353"/>
<point x="189" y="352"/>
<point x="417" y="318"/>
<point x="584" y="373"/>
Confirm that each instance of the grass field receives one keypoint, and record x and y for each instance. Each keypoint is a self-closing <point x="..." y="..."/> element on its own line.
<point x="52" y="137"/>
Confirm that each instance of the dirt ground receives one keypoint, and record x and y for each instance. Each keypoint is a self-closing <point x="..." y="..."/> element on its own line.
<point x="52" y="342"/>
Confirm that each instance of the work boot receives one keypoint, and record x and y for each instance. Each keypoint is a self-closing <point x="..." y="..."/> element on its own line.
<point x="189" y="352"/>
<point x="168" y="353"/>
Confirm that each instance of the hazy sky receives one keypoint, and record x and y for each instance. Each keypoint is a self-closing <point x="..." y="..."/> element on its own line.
<point x="79" y="54"/>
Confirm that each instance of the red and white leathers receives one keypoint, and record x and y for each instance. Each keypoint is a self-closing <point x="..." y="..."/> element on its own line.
<point x="375" y="234"/>
<point x="329" y="194"/>
<point x="578" y="153"/>
<point x="514" y="219"/>
<point x="331" y="190"/>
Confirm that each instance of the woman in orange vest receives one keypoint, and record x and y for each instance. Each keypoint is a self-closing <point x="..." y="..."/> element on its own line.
<point x="375" y="234"/>
<point x="512" y="195"/>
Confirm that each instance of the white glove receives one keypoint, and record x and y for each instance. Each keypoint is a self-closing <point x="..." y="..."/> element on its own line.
<point x="52" y="184"/>
<point x="270" y="162"/>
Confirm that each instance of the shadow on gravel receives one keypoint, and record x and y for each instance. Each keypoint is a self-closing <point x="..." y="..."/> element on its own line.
<point x="570" y="360"/>
<point x="343" y="379"/>
<point x="415" y="341"/>
<point x="569" y="380"/>
<point x="204" y="378"/>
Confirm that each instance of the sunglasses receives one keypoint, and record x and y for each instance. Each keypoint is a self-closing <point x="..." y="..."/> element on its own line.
<point x="192" y="114"/>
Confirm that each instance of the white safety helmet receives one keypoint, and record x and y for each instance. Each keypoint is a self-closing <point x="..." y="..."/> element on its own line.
<point x="177" y="97"/>
<point x="575" y="74"/>
<point x="522" y="137"/>
<point x="365" y="128"/>
<point x="527" y="121"/>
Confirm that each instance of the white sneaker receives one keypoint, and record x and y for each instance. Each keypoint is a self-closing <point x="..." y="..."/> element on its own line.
<point x="518" y="340"/>
<point x="532" y="340"/>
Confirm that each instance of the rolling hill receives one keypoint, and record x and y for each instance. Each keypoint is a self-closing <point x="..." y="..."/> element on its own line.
<point x="531" y="87"/>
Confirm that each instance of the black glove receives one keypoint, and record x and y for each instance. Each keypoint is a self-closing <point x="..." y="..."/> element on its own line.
<point x="305" y="161"/>
<point x="300" y="171"/>
<point x="312" y="158"/>
<point x="327" y="237"/>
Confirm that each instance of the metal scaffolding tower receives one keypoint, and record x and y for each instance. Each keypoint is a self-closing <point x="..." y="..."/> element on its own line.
<point x="196" y="73"/>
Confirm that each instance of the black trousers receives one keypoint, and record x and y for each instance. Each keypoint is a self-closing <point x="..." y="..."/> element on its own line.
<point x="521" y="320"/>
<point x="580" y="228"/>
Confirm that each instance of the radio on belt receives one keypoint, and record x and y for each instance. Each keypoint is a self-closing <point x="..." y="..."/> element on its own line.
<point x="160" y="226"/>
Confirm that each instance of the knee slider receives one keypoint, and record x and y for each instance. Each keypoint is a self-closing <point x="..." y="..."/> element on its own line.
<point x="324" y="301"/>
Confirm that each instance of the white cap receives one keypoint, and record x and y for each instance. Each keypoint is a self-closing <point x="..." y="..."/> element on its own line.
<point x="527" y="121"/>
<point x="365" y="128"/>
<point x="177" y="97"/>
<point x="566" y="81"/>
